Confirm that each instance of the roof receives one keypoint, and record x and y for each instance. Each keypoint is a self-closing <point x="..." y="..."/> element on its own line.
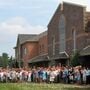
<point x="27" y="37"/>
<point x="62" y="55"/>
<point x="52" y="18"/>
<point x="43" y="34"/>
<point x="74" y="4"/>
<point x="42" y="58"/>
<point x="39" y="58"/>
<point x="60" y="6"/>
<point x="85" y="51"/>
<point x="22" y="38"/>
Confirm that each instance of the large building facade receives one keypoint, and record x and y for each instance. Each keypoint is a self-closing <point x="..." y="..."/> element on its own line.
<point x="68" y="31"/>
<point x="31" y="49"/>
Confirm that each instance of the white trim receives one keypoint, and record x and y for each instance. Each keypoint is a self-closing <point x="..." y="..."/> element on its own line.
<point x="43" y="54"/>
<point x="61" y="52"/>
<point x="74" y="40"/>
<point x="86" y="47"/>
<point x="38" y="56"/>
<point x="48" y="57"/>
<point x="65" y="53"/>
<point x="53" y="44"/>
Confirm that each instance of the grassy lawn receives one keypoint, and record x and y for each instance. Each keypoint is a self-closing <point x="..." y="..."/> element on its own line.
<point x="32" y="86"/>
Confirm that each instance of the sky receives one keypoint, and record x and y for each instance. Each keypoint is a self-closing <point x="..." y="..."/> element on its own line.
<point x="26" y="17"/>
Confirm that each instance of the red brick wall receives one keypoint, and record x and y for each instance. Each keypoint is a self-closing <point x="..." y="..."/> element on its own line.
<point x="43" y="49"/>
<point x="88" y="38"/>
<point x="74" y="20"/>
<point x="32" y="51"/>
<point x="74" y="16"/>
<point x="53" y="31"/>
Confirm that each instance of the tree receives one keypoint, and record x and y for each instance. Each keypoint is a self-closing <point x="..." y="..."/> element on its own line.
<point x="0" y="61"/>
<point x="10" y="62"/>
<point x="5" y="60"/>
<point x="75" y="59"/>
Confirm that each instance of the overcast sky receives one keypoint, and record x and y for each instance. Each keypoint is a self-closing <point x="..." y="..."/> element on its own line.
<point x="26" y="16"/>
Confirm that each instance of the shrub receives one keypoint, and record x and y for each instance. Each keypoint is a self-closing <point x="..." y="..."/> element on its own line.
<point x="75" y="59"/>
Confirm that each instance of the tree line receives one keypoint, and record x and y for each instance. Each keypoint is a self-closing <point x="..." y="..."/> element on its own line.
<point x="6" y="61"/>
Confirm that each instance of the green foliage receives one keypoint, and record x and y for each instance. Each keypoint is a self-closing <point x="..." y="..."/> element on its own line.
<point x="1" y="61"/>
<point x="5" y="60"/>
<point x="75" y="59"/>
<point x="10" y="62"/>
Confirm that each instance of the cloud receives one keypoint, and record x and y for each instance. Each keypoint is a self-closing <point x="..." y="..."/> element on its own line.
<point x="7" y="3"/>
<point x="18" y="4"/>
<point x="24" y="4"/>
<point x="17" y="25"/>
<point x="11" y="28"/>
<point x="32" y="10"/>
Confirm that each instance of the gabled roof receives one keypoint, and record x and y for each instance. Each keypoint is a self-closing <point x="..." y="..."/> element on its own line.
<point x="60" y="7"/>
<point x="54" y="15"/>
<point x="74" y="4"/>
<point x="27" y="37"/>
<point x="42" y="34"/>
<point x="23" y="38"/>
<point x="39" y="58"/>
<point x="62" y="55"/>
<point x="85" y="51"/>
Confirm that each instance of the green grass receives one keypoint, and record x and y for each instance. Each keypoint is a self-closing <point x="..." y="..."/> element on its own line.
<point x="33" y="86"/>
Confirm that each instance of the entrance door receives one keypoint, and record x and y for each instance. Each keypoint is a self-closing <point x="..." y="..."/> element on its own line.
<point x="85" y="61"/>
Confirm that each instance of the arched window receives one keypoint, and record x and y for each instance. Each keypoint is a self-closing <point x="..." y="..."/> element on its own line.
<point x="53" y="44"/>
<point x="62" y="35"/>
<point x="88" y="26"/>
<point x="74" y="39"/>
<point x="24" y="51"/>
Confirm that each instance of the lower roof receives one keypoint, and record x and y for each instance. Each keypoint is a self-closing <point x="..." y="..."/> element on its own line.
<point x="39" y="59"/>
<point x="85" y="51"/>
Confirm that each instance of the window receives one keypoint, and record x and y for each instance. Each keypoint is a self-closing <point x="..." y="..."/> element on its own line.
<point x="74" y="39"/>
<point x="43" y="48"/>
<point x="40" y="49"/>
<point x="87" y="29"/>
<point x="25" y="51"/>
<point x="88" y="24"/>
<point x="53" y="44"/>
<point x="62" y="37"/>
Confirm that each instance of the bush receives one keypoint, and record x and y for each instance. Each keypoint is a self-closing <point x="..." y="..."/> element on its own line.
<point x="75" y="59"/>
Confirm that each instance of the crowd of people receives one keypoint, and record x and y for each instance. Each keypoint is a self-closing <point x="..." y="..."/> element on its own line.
<point x="51" y="74"/>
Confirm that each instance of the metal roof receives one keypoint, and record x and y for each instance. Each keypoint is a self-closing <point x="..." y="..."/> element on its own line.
<point x="39" y="59"/>
<point x="85" y="51"/>
<point x="27" y="37"/>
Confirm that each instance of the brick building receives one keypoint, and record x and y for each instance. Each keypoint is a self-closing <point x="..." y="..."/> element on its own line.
<point x="26" y="48"/>
<point x="42" y="58"/>
<point x="68" y="31"/>
<point x="31" y="48"/>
